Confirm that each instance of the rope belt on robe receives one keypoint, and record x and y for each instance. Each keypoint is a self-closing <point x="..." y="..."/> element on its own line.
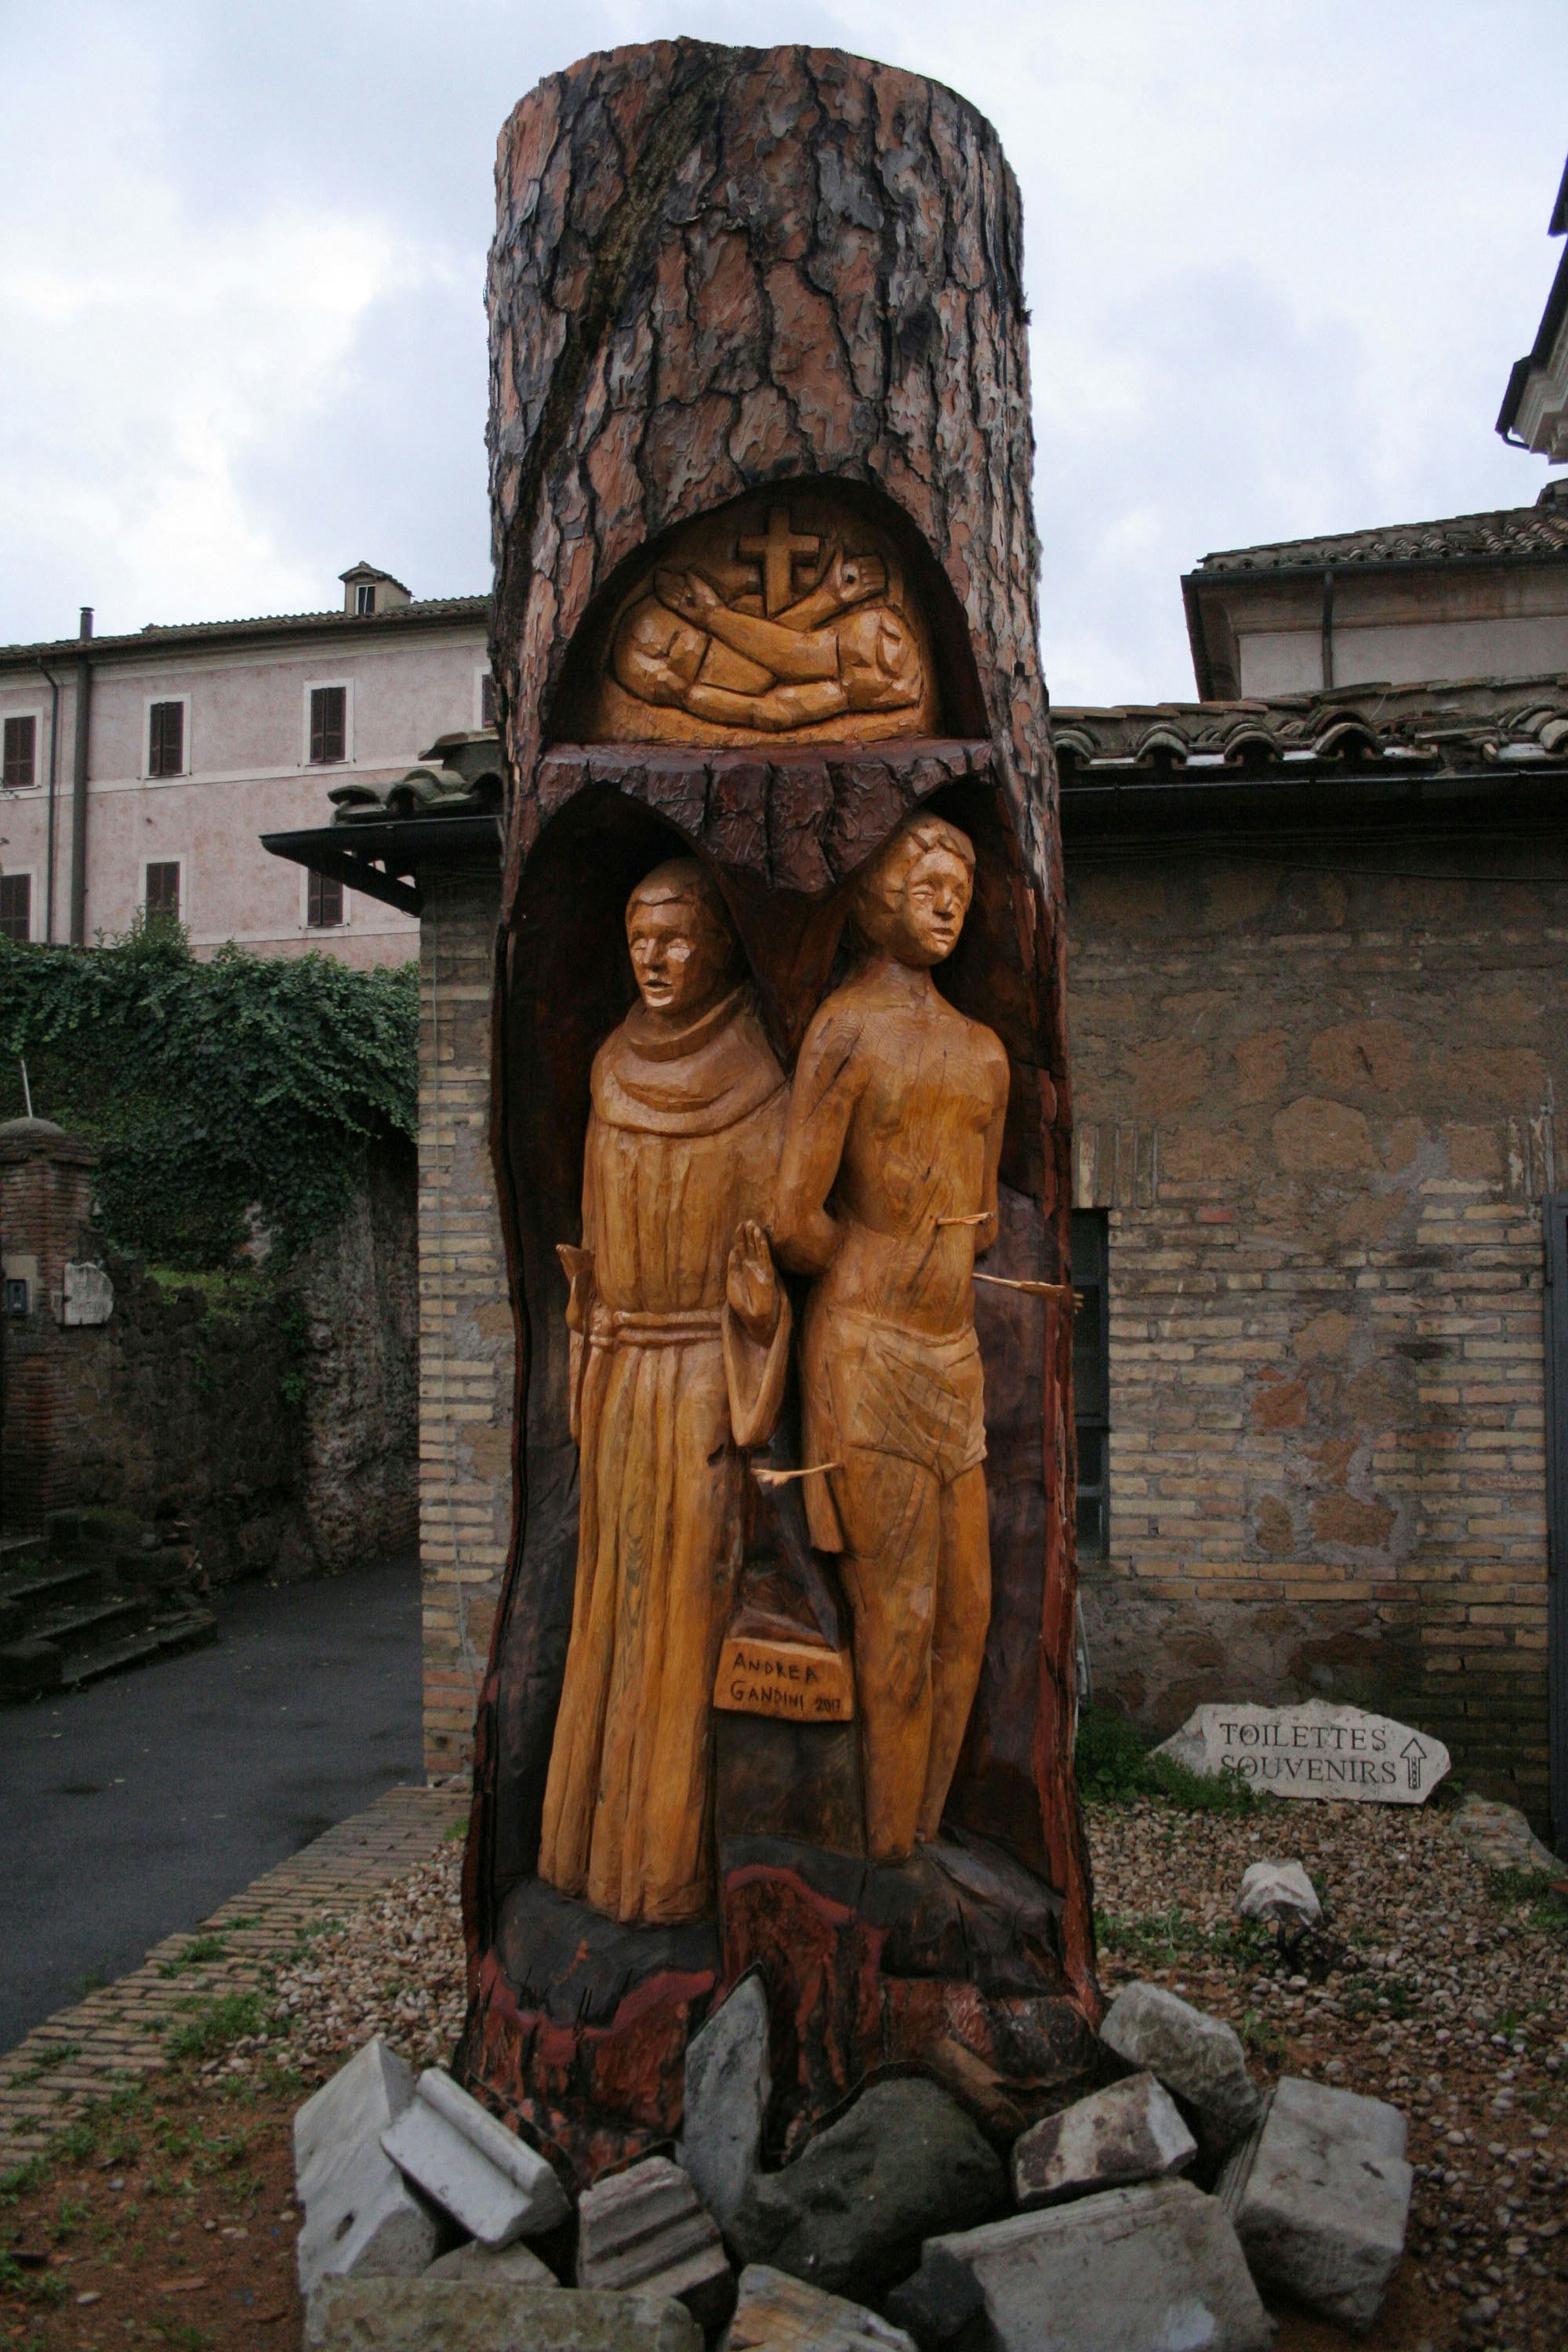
<point x="632" y="1327"/>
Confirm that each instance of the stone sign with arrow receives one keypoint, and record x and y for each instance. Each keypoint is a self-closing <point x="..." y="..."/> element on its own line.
<point x="1313" y="1750"/>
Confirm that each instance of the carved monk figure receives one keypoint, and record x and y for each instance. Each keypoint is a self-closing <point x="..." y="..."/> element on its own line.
<point x="680" y="1333"/>
<point x="888" y="1191"/>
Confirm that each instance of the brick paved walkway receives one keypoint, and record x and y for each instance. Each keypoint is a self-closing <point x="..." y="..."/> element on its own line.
<point x="116" y="2035"/>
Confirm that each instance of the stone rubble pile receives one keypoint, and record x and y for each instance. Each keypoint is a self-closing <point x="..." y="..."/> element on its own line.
<point x="901" y="2202"/>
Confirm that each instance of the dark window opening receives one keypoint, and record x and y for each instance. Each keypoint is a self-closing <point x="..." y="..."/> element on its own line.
<point x="166" y="740"/>
<point x="1092" y="1378"/>
<point x="21" y="753"/>
<point x="17" y="908"/>
<point x="490" y="707"/>
<point x="162" y="896"/>
<point x="324" y="902"/>
<point x="328" y="725"/>
<point x="365" y="596"/>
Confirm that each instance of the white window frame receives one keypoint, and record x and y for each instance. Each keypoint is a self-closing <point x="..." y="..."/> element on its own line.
<point x="167" y="857"/>
<point x="185" y="767"/>
<point x="321" y="930"/>
<point x="35" y="712"/>
<point x="319" y="686"/>
<point x="16" y="873"/>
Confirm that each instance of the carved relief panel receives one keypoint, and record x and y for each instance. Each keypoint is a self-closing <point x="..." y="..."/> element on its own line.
<point x="785" y="616"/>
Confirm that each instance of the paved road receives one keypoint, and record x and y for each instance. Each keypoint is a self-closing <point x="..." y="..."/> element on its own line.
<point x="129" y="1810"/>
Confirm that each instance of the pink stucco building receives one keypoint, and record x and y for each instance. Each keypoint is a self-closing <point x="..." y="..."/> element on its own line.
<point x="140" y="771"/>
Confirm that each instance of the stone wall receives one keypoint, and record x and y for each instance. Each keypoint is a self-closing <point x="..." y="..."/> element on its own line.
<point x="280" y="1425"/>
<point x="467" y="1358"/>
<point x="359" y="1289"/>
<point x="1316" y="1102"/>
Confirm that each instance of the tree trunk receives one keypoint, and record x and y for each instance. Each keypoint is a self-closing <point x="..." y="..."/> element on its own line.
<point x="719" y="272"/>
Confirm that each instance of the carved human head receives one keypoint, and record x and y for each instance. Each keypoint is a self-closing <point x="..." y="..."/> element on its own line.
<point x="682" y="947"/>
<point x="912" y="902"/>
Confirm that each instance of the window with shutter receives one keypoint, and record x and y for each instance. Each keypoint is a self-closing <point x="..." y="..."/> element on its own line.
<point x="489" y="708"/>
<point x="17" y="908"/>
<point x="328" y="725"/>
<point x="21" y="753"/>
<point x="324" y="902"/>
<point x="166" y="740"/>
<point x="162" y="899"/>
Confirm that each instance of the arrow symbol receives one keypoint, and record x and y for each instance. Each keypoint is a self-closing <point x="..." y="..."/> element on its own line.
<point x="1415" y="1755"/>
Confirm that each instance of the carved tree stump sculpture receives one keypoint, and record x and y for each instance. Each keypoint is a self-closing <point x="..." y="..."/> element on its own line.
<point x="766" y="569"/>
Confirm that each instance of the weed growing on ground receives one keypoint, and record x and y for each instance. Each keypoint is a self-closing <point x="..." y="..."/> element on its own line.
<point x="216" y="2023"/>
<point x="196" y="1953"/>
<point x="1113" y="1766"/>
<point x="61" y="2055"/>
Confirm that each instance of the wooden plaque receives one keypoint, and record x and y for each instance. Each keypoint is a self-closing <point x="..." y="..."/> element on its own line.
<point x="793" y="1680"/>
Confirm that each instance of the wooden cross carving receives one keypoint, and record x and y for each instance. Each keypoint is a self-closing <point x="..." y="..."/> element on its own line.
<point x="778" y="554"/>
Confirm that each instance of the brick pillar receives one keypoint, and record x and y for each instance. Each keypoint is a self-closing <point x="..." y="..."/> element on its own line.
<point x="468" y="1357"/>
<point x="45" y="1195"/>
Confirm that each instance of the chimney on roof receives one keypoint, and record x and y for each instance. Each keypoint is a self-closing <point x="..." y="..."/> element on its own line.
<point x="368" y="590"/>
<point x="84" y="625"/>
<point x="1553" y="493"/>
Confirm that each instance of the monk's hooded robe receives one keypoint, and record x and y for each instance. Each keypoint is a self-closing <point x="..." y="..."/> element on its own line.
<point x="684" y="1136"/>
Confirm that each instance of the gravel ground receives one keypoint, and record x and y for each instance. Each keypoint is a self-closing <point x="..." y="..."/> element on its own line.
<point x="1432" y="1982"/>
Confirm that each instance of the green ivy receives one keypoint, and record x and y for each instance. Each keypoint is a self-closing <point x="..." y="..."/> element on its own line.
<point x="212" y="1085"/>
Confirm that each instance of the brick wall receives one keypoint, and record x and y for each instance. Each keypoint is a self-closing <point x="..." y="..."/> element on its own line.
<point x="468" y="1356"/>
<point x="1316" y="1104"/>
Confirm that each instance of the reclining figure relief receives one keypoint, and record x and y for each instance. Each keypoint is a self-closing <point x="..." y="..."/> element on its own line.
<point x="726" y="641"/>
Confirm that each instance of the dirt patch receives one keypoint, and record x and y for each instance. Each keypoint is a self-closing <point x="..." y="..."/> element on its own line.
<point x="166" y="2217"/>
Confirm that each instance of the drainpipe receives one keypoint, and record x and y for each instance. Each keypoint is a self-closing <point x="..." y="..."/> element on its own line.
<point x="1328" y="627"/>
<point x="54" y="686"/>
<point x="79" y="786"/>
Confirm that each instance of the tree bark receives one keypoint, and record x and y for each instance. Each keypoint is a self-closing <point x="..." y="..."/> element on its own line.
<point x="716" y="270"/>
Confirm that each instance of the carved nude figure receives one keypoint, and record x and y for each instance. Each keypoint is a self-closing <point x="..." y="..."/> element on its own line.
<point x="679" y="1338"/>
<point x="887" y="1193"/>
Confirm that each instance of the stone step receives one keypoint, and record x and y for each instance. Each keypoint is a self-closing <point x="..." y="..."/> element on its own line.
<point x="164" y="1638"/>
<point x="75" y="1629"/>
<point x="29" y="1593"/>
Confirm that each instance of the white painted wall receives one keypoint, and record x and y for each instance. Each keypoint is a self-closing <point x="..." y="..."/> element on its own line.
<point x="1398" y="626"/>
<point x="248" y="758"/>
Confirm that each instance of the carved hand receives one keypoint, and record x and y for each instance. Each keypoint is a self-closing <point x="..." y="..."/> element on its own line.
<point x="751" y="1285"/>
<point x="688" y="594"/>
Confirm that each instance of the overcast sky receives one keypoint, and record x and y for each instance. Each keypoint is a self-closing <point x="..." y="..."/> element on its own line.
<point x="1280" y="255"/>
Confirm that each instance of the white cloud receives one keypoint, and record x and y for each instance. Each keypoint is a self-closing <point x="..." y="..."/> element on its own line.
<point x="1282" y="253"/>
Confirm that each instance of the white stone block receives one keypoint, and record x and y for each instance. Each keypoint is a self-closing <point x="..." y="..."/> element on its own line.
<point x="1131" y="2132"/>
<point x="1279" y="1891"/>
<point x="1319" y="2194"/>
<point x="494" y="2186"/>
<point x="1197" y="2057"/>
<point x="1156" y="2269"/>
<point x="361" y="2219"/>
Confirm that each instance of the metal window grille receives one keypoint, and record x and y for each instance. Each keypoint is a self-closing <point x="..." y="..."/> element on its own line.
<point x="324" y="902"/>
<point x="21" y="767"/>
<point x="328" y="725"/>
<point x="1092" y="1378"/>
<point x="166" y="740"/>
<point x="17" y="908"/>
<point x="162" y="899"/>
